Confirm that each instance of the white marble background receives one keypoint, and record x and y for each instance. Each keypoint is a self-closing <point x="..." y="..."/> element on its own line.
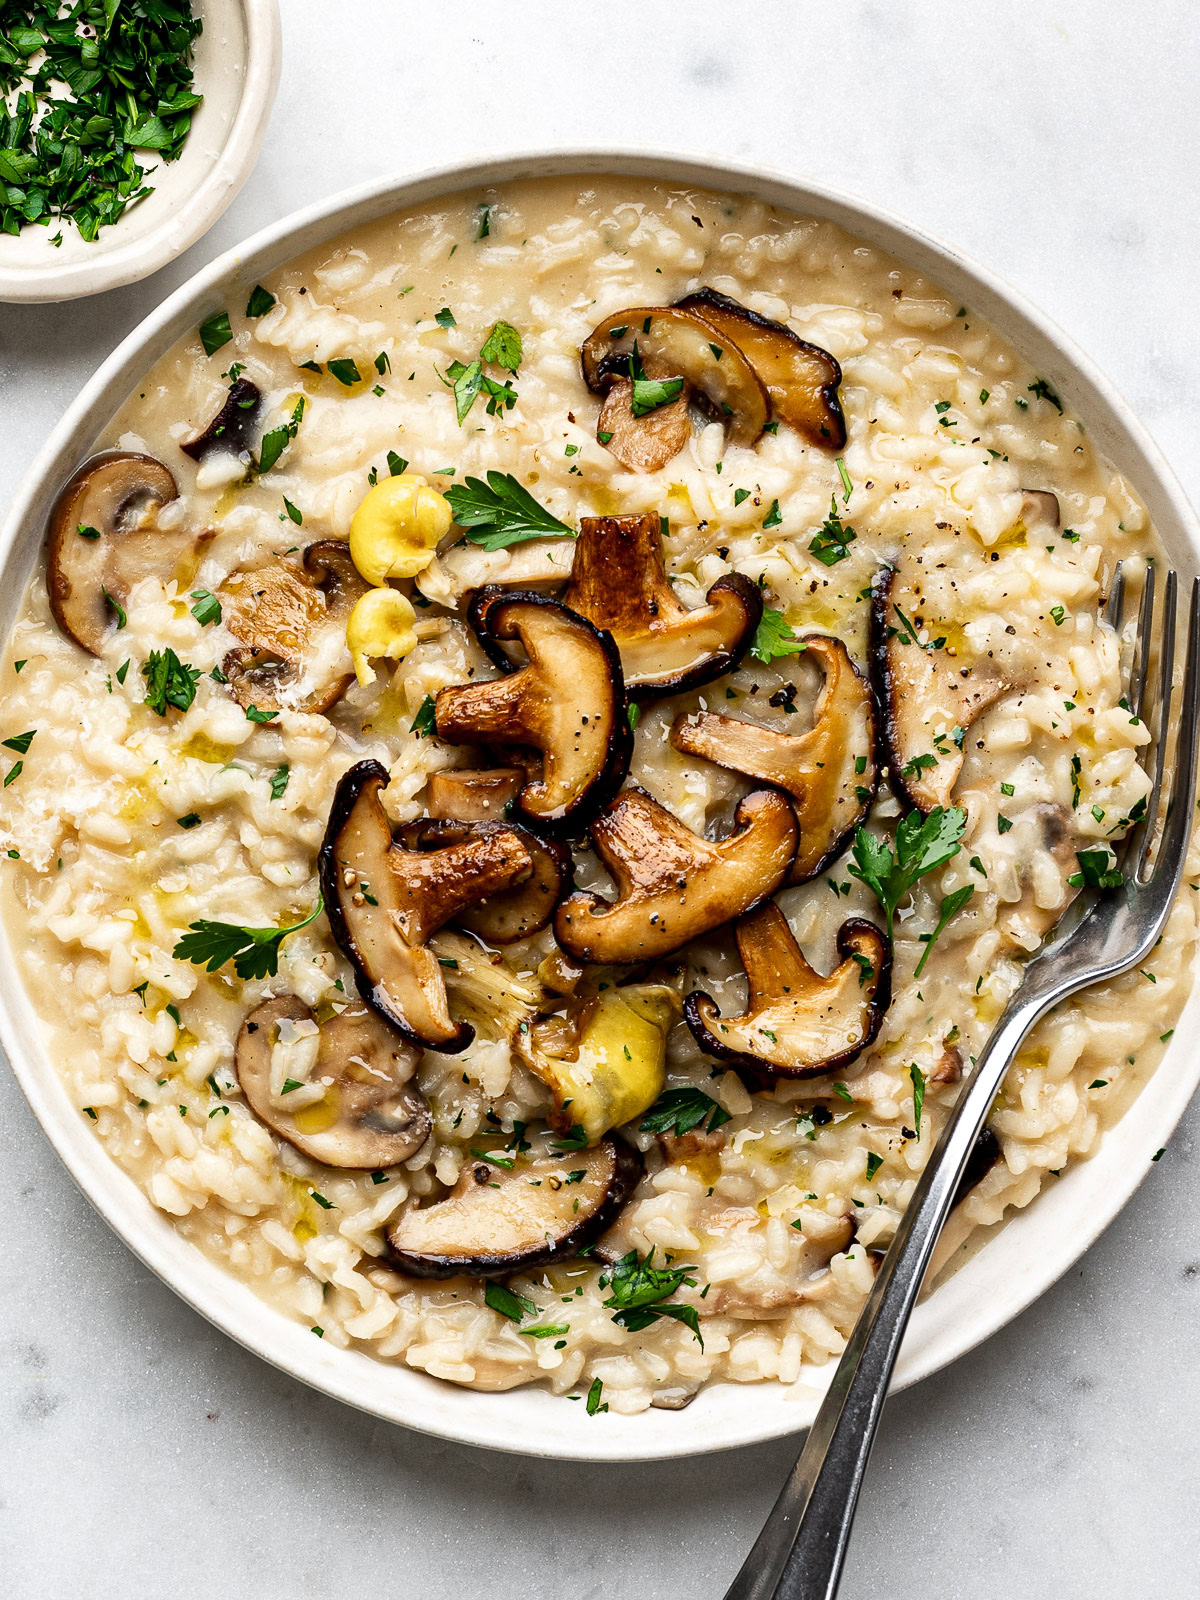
<point x="142" y="1454"/>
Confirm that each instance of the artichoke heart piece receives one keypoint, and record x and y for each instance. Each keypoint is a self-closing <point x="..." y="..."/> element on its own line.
<point x="605" y="1061"/>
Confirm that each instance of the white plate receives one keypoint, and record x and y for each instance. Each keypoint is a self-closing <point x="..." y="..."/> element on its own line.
<point x="1019" y="1263"/>
<point x="237" y="72"/>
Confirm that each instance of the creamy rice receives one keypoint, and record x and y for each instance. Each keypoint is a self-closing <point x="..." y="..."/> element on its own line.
<point x="945" y="433"/>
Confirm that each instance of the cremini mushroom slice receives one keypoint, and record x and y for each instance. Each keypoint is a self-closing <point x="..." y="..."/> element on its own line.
<point x="605" y="1058"/>
<point x="513" y="913"/>
<point x="619" y="583"/>
<point x="234" y="428"/>
<point x="671" y="343"/>
<point x="801" y="378"/>
<point x="797" y="1023"/>
<point x="568" y="703"/>
<point x="339" y="1091"/>
<point x="291" y="617"/>
<point x="928" y="695"/>
<point x="103" y="539"/>
<point x="496" y="1220"/>
<point x="647" y="442"/>
<point x="829" y="771"/>
<point x="672" y="885"/>
<point x="473" y="794"/>
<point x="384" y="904"/>
<point x="1039" y="508"/>
<point x="465" y="567"/>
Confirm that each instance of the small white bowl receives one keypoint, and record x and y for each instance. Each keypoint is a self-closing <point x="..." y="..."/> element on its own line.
<point x="237" y="71"/>
<point x="1016" y="1265"/>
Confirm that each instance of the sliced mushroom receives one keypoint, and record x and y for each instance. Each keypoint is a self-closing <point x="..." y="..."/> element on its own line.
<point x="291" y="616"/>
<point x="339" y="1091"/>
<point x="618" y="582"/>
<point x="812" y="1280"/>
<point x="568" y="703"/>
<point x="605" y="1059"/>
<point x="465" y="567"/>
<point x="513" y="913"/>
<point x="643" y="443"/>
<point x="927" y="697"/>
<point x="801" y="378"/>
<point x="829" y="771"/>
<point x="103" y="539"/>
<point x="798" y="1024"/>
<point x="234" y="429"/>
<point x="672" y="885"/>
<point x="384" y="904"/>
<point x="494" y="1221"/>
<point x="1039" y="506"/>
<point x="676" y="344"/>
<point x="472" y="795"/>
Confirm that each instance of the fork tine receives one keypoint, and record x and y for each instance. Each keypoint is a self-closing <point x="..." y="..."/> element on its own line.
<point x="1161" y="726"/>
<point x="1114" y="609"/>
<point x="1183" y="789"/>
<point x="1141" y="665"/>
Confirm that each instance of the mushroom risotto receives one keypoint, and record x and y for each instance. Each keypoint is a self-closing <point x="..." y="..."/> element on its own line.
<point x="539" y="747"/>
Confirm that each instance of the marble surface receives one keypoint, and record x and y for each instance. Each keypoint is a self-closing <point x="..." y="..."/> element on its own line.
<point x="146" y="1454"/>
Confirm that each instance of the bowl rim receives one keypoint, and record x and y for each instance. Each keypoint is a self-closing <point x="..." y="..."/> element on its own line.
<point x="1018" y="1263"/>
<point x="116" y="261"/>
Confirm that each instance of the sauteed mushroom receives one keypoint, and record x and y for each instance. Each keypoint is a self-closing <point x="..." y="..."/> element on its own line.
<point x="927" y="699"/>
<point x="496" y="1221"/>
<point x="798" y="1024"/>
<point x="338" y="1092"/>
<point x="103" y="539"/>
<point x="234" y="427"/>
<point x="465" y="567"/>
<point x="672" y="343"/>
<point x="291" y="617"/>
<point x="472" y="795"/>
<point x="568" y="703"/>
<point x="511" y="914"/>
<point x="384" y="904"/>
<point x="647" y="442"/>
<point x="829" y="771"/>
<point x="672" y="885"/>
<point x="618" y="582"/>
<point x="801" y="378"/>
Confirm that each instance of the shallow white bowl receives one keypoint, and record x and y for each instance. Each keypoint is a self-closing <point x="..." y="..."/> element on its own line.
<point x="237" y="71"/>
<point x="1014" y="1267"/>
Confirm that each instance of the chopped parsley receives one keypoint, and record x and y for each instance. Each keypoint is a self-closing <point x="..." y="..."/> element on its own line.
<point x="774" y="637"/>
<point x="597" y="1389"/>
<point x="501" y="512"/>
<point x="215" y="332"/>
<point x="345" y="371"/>
<point x="678" y="1111"/>
<point x="832" y="543"/>
<point x="260" y="302"/>
<point x="192" y="820"/>
<point x="641" y="1294"/>
<point x="169" y="681"/>
<point x="1042" y="389"/>
<point x="445" y="318"/>
<point x="922" y="844"/>
<point x="951" y="906"/>
<point x="502" y="347"/>
<point x="918" y="1087"/>
<point x="207" y="608"/>
<point x="874" y="1163"/>
<point x="277" y="440"/>
<point x="279" y="781"/>
<point x="253" y="951"/>
<point x="19" y="742"/>
<point x="513" y="1306"/>
<point x="1097" y="870"/>
<point x="424" y="723"/>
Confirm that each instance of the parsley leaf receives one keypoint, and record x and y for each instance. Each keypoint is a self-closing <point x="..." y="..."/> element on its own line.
<point x="279" y="781"/>
<point x="424" y="723"/>
<point x="277" y="441"/>
<point x="639" y="1290"/>
<point x="502" y="347"/>
<point x="501" y="512"/>
<point x="774" y="637"/>
<point x="832" y="543"/>
<point x="922" y="844"/>
<point x="648" y="394"/>
<point x="513" y="1306"/>
<point x="1097" y="870"/>
<point x="207" y="608"/>
<point x="345" y="371"/>
<point x="169" y="681"/>
<point x="253" y="951"/>
<point x="260" y="302"/>
<point x="215" y="332"/>
<point x="951" y="906"/>
<point x="1042" y="389"/>
<point x="19" y="742"/>
<point x="678" y="1111"/>
<point x="918" y="1083"/>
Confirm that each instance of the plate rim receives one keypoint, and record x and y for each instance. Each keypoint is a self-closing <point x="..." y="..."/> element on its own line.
<point x="1028" y="1252"/>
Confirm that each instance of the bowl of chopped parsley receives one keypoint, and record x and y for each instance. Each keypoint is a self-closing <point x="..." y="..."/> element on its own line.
<point x="126" y="128"/>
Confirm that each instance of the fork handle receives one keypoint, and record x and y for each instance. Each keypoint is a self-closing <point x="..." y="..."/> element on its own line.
<point x="799" y="1554"/>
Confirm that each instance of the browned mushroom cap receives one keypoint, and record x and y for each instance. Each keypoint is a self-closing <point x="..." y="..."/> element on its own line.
<point x="648" y="442"/>
<point x="103" y="538"/>
<point x="568" y="703"/>
<point x="801" y="378"/>
<point x="496" y="1221"/>
<point x="927" y="697"/>
<point x="340" y="1092"/>
<point x="234" y="427"/>
<point x="618" y="581"/>
<point x="384" y="904"/>
<point x="829" y="771"/>
<point x="291" y="616"/>
<point x="797" y="1023"/>
<point x="677" y="344"/>
<point x="472" y="794"/>
<point x="513" y="913"/>
<point x="672" y="885"/>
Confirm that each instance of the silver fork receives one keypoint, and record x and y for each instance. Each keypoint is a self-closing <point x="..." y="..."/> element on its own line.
<point x="799" y="1554"/>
